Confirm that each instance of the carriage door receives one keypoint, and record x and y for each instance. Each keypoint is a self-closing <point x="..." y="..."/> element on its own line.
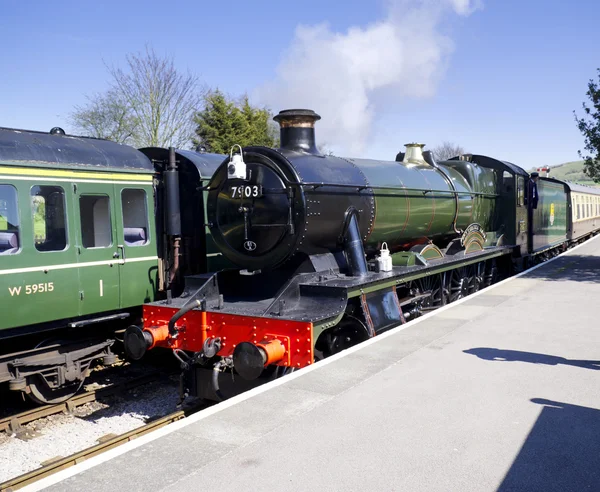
<point x="97" y="248"/>
<point x="522" y="215"/>
<point x="138" y="268"/>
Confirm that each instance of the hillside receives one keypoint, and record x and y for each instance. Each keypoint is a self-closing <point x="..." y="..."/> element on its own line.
<point x="571" y="171"/>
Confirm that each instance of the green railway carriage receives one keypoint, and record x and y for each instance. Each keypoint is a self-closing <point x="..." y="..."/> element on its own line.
<point x="77" y="248"/>
<point x="90" y="230"/>
<point x="77" y="236"/>
<point x="550" y="219"/>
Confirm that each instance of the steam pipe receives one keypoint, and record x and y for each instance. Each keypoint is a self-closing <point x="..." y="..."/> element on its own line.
<point x="182" y="312"/>
<point x="173" y="210"/>
<point x="430" y="159"/>
<point x="172" y="189"/>
<point x="215" y="380"/>
<point x="353" y="247"/>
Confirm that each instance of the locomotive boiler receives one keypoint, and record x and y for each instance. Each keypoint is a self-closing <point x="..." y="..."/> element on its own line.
<point x="294" y="202"/>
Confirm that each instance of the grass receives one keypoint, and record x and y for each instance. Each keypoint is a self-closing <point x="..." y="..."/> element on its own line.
<point x="571" y="171"/>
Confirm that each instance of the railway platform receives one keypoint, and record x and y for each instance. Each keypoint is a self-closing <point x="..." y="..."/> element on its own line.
<point x="499" y="391"/>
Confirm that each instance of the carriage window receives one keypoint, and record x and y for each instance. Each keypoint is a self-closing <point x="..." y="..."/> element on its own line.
<point x="587" y="207"/>
<point x="96" y="229"/>
<point x="49" y="218"/>
<point x="9" y="220"/>
<point x="520" y="191"/>
<point x="135" y="217"/>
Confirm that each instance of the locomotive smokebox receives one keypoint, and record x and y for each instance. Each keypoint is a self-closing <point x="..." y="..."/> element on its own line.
<point x="297" y="130"/>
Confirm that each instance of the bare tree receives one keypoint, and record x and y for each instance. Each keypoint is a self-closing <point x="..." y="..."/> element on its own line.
<point x="150" y="101"/>
<point x="447" y="150"/>
<point x="105" y="116"/>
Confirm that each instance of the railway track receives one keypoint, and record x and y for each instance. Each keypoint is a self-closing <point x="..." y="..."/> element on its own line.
<point x="14" y="424"/>
<point x="107" y="444"/>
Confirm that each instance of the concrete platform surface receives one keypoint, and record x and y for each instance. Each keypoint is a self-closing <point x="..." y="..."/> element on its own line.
<point x="499" y="392"/>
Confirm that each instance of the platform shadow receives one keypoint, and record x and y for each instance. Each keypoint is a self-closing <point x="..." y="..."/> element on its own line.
<point x="561" y="453"/>
<point x="576" y="268"/>
<point x="501" y="355"/>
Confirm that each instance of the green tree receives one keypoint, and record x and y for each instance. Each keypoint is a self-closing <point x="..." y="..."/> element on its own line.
<point x="589" y="126"/>
<point x="224" y="122"/>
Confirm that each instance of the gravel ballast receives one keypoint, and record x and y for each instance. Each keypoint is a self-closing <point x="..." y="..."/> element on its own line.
<point x="64" y="434"/>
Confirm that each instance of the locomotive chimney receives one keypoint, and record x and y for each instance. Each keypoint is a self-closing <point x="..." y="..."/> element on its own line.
<point x="414" y="154"/>
<point x="297" y="130"/>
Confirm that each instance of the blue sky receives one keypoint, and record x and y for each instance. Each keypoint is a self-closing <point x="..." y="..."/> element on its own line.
<point x="499" y="77"/>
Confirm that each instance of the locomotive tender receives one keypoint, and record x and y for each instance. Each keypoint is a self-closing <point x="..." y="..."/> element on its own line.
<point x="86" y="237"/>
<point x="310" y="236"/>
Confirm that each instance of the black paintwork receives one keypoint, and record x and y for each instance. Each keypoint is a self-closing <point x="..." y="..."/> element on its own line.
<point x="492" y="163"/>
<point x="194" y="169"/>
<point x="301" y="294"/>
<point x="28" y="147"/>
<point x="296" y="213"/>
<point x="198" y="164"/>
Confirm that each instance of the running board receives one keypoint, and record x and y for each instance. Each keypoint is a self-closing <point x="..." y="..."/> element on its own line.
<point x="93" y="321"/>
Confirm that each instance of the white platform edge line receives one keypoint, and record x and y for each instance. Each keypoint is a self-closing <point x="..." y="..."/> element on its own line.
<point x="180" y="424"/>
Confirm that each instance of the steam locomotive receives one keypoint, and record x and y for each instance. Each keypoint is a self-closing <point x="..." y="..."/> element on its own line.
<point x="331" y="251"/>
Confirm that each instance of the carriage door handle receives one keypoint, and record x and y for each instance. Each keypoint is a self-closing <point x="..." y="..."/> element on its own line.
<point x="122" y="248"/>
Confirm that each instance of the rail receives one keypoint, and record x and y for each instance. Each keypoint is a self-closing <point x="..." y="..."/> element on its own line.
<point x="14" y="423"/>
<point x="69" y="461"/>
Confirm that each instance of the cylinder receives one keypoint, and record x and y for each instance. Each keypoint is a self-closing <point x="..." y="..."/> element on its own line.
<point x="173" y="211"/>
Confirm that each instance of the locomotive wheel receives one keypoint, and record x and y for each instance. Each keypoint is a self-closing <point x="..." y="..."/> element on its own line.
<point x="42" y="394"/>
<point x="347" y="333"/>
<point x="462" y="282"/>
<point x="491" y="273"/>
<point x="434" y="285"/>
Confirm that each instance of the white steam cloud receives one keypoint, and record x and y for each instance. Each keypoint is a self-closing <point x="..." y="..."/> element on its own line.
<point x="338" y="74"/>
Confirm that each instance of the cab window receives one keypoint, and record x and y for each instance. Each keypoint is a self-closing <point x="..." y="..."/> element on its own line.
<point x="49" y="218"/>
<point x="135" y="217"/>
<point x="9" y="220"/>
<point x="96" y="227"/>
<point x="520" y="191"/>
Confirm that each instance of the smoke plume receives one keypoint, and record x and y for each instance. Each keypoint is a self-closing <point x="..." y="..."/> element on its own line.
<point x="339" y="74"/>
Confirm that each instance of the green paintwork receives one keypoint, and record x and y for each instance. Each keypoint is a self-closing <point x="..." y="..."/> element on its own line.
<point x="434" y="269"/>
<point x="521" y="215"/>
<point x="407" y="258"/>
<point x="138" y="279"/>
<point x="74" y="289"/>
<point x="424" y="204"/>
<point x="549" y="225"/>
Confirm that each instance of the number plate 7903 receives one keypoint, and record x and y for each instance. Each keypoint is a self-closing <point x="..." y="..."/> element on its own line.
<point x="246" y="191"/>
